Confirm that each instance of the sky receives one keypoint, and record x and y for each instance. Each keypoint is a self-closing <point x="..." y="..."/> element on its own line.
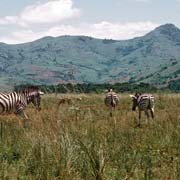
<point x="27" y="20"/>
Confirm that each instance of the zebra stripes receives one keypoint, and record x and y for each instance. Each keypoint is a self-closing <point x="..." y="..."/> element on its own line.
<point x="111" y="100"/>
<point x="17" y="101"/>
<point x="144" y="102"/>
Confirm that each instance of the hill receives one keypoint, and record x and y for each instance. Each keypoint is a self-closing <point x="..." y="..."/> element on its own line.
<point x="153" y="58"/>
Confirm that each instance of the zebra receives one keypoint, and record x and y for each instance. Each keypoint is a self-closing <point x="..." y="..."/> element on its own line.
<point x="111" y="100"/>
<point x="17" y="101"/>
<point x="144" y="102"/>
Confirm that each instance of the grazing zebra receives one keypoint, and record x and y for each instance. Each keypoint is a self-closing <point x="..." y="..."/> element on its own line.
<point x="17" y="101"/>
<point x="144" y="102"/>
<point x="111" y="100"/>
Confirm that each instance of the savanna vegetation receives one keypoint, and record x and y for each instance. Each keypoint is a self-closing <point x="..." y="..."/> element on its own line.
<point x="81" y="141"/>
<point x="173" y="86"/>
<point x="92" y="88"/>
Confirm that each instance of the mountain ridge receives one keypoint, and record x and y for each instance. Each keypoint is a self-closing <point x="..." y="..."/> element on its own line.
<point x="153" y="58"/>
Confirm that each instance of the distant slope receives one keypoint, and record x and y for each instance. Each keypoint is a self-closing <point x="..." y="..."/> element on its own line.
<point x="153" y="58"/>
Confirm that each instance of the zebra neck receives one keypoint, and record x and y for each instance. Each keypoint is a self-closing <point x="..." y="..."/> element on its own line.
<point x="26" y="97"/>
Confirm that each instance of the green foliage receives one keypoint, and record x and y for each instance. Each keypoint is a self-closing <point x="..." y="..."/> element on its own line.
<point x="93" y="88"/>
<point x="174" y="86"/>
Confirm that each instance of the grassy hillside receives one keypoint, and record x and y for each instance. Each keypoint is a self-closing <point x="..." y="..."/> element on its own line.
<point x="153" y="58"/>
<point x="80" y="141"/>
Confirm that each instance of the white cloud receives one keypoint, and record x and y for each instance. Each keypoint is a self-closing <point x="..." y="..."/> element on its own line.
<point x="46" y="18"/>
<point x="53" y="11"/>
<point x="121" y="30"/>
<point x="102" y="30"/>
<point x="8" y="20"/>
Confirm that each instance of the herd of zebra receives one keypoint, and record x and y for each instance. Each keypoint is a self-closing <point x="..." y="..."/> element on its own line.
<point x="17" y="101"/>
<point x="144" y="102"/>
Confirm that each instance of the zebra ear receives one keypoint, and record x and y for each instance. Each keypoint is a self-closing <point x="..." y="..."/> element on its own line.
<point x="41" y="93"/>
<point x="132" y="96"/>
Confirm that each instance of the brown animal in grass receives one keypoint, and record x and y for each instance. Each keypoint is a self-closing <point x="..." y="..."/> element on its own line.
<point x="64" y="101"/>
<point x="68" y="100"/>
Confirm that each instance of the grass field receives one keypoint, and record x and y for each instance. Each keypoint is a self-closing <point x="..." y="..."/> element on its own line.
<point x="81" y="141"/>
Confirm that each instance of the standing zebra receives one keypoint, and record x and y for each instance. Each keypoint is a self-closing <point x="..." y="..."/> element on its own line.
<point x="111" y="100"/>
<point x="17" y="101"/>
<point x="144" y="102"/>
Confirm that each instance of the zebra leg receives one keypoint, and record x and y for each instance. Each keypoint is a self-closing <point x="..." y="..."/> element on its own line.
<point x="24" y="116"/>
<point x="1" y="109"/>
<point x="152" y="113"/>
<point x="25" y="119"/>
<point x="111" y="112"/>
<point x="139" y="119"/>
<point x="147" y="115"/>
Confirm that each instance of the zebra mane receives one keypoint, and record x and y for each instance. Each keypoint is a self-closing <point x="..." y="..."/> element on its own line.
<point x="29" y="89"/>
<point x="137" y="94"/>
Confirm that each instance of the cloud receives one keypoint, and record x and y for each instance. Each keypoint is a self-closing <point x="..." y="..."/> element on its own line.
<point x="52" y="11"/>
<point x="104" y="29"/>
<point x="51" y="18"/>
<point x="121" y="30"/>
<point x="8" y="20"/>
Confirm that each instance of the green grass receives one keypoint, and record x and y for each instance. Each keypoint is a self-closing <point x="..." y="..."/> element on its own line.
<point x="81" y="141"/>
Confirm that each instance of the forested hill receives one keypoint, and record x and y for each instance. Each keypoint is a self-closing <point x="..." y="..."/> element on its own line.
<point x="153" y="58"/>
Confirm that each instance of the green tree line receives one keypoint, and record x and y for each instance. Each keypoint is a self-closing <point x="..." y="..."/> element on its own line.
<point x="93" y="88"/>
<point x="99" y="88"/>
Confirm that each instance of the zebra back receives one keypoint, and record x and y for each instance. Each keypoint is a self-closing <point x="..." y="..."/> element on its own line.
<point x="145" y="101"/>
<point x="111" y="99"/>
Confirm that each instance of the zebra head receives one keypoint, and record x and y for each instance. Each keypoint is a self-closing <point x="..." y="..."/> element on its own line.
<point x="33" y="94"/>
<point x="134" y="100"/>
<point x="36" y="99"/>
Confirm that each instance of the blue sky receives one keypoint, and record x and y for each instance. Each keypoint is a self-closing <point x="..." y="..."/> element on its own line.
<point x="27" y="20"/>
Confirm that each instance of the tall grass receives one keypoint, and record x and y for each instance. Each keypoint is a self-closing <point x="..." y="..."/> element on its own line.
<point x="81" y="141"/>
